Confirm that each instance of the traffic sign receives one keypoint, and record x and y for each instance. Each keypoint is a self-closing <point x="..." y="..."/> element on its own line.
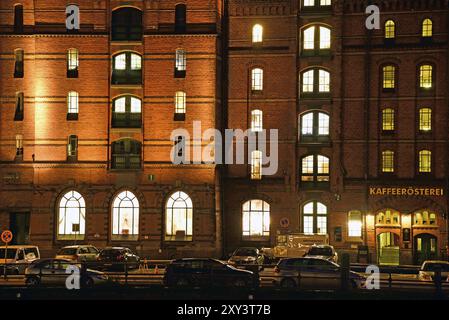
<point x="6" y="236"/>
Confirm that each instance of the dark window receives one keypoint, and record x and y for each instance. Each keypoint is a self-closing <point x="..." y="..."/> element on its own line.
<point x="18" y="116"/>
<point x="18" y="18"/>
<point x="180" y="150"/>
<point x="126" y="154"/>
<point x="127" y="112"/>
<point x="19" y="64"/>
<point x="180" y="18"/>
<point x="127" y="24"/>
<point x="127" y="68"/>
<point x="72" y="148"/>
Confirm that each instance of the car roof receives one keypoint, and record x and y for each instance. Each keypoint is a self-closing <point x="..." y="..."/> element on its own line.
<point x="77" y="246"/>
<point x="322" y="246"/>
<point x="435" y="262"/>
<point x="115" y="248"/>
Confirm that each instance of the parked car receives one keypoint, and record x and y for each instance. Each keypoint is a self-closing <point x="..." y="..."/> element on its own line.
<point x="326" y="252"/>
<point x="245" y="256"/>
<point x="427" y="270"/>
<point x="80" y="253"/>
<point x="116" y="257"/>
<point x="53" y="272"/>
<point x="206" y="273"/>
<point x="18" y="258"/>
<point x="313" y="274"/>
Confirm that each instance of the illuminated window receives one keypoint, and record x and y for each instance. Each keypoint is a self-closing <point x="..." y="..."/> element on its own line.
<point x="126" y="154"/>
<point x="324" y="81"/>
<point x="355" y="224"/>
<point x="256" y="165"/>
<point x="19" y="147"/>
<point x="127" y="68"/>
<point x="427" y="28"/>
<point x="388" y="119"/>
<point x="387" y="161"/>
<point x="312" y="3"/>
<point x="315" y="168"/>
<point x="314" y="124"/>
<point x="256" y="120"/>
<point x="127" y="112"/>
<point x="425" y="161"/>
<point x="315" y="81"/>
<point x="257" y="79"/>
<point x="390" y="29"/>
<point x="19" y="63"/>
<point x="181" y="63"/>
<point x="126" y="24"/>
<point x="180" y="102"/>
<point x="73" y="102"/>
<point x="316" y="37"/>
<point x="308" y="81"/>
<point x="125" y="217"/>
<point x="179" y="217"/>
<point x="257" y="33"/>
<point x="389" y="77"/>
<point x="425" y="218"/>
<point x="314" y="218"/>
<point x="425" y="119"/>
<point x="325" y="2"/>
<point x="425" y="76"/>
<point x="72" y="147"/>
<point x="71" y="217"/>
<point x="19" y="113"/>
<point x="72" y="63"/>
<point x="256" y="219"/>
<point x="388" y="217"/>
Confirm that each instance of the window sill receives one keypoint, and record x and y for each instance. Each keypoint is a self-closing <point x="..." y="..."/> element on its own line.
<point x="425" y="226"/>
<point x="80" y="237"/>
<point x="124" y="238"/>
<point x="181" y="240"/>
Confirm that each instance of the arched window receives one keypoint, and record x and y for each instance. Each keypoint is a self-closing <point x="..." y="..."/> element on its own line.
<point x="388" y="217"/>
<point x="256" y="220"/>
<point x="388" y="120"/>
<point x="127" y="68"/>
<point x="18" y="18"/>
<point x="72" y="63"/>
<point x="425" y="217"/>
<point x="257" y="79"/>
<point x="71" y="217"/>
<point x="316" y="3"/>
<point x="425" y="76"/>
<point x="256" y="120"/>
<point x="314" y="218"/>
<point x="389" y="77"/>
<point x="387" y="161"/>
<point x="314" y="125"/>
<point x="425" y="161"/>
<point x="315" y="169"/>
<point x="315" y="81"/>
<point x="180" y="18"/>
<point x="390" y="29"/>
<point x="127" y="24"/>
<point x="179" y="217"/>
<point x="127" y="112"/>
<point x="316" y="37"/>
<point x="125" y="217"/>
<point x="257" y="33"/>
<point x="126" y="154"/>
<point x="427" y="28"/>
<point x="425" y="119"/>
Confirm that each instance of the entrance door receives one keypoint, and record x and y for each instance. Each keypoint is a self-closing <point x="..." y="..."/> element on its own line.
<point x="19" y="224"/>
<point x="425" y="248"/>
<point x="388" y="248"/>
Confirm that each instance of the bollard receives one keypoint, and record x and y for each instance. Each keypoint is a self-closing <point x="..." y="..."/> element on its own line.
<point x="345" y="271"/>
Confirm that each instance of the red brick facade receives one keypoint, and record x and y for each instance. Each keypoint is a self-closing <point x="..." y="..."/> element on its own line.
<point x="220" y="57"/>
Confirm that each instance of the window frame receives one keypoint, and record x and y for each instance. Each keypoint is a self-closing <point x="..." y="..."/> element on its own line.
<point x="256" y="120"/>
<point x="257" y="34"/>
<point x="72" y="66"/>
<point x="181" y="18"/>
<point x="388" y="125"/>
<point x="317" y="35"/>
<point x="429" y="121"/>
<point x="390" y="29"/>
<point x="189" y="227"/>
<point x="428" y="168"/>
<point x="387" y="162"/>
<point x="127" y="119"/>
<point x="133" y="32"/>
<point x="355" y="231"/>
<point x="248" y="210"/>
<point x="67" y="196"/>
<point x="127" y="159"/>
<point x="314" y="215"/>
<point x="389" y="85"/>
<point x="257" y="79"/>
<point x="116" y="223"/>
<point x="19" y="63"/>
<point x="315" y="178"/>
<point x="427" y="28"/>
<point x="180" y="63"/>
<point x="72" y="148"/>
<point x="422" y="78"/>
<point x="315" y="136"/>
<point x="256" y="165"/>
<point x="20" y="106"/>
<point x="129" y="75"/>
<point x="316" y="82"/>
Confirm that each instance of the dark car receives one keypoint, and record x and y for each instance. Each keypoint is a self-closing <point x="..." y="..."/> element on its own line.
<point x="207" y="273"/>
<point x="245" y="256"/>
<point x="116" y="258"/>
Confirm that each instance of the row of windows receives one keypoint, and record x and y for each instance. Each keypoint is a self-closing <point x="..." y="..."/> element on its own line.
<point x="424" y="161"/>
<point x="425" y="77"/>
<point x="424" y="120"/>
<point x="426" y="29"/>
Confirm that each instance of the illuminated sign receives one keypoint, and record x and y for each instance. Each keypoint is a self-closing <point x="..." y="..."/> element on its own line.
<point x="408" y="191"/>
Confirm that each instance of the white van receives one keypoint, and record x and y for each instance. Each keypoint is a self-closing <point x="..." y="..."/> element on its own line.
<point x="17" y="258"/>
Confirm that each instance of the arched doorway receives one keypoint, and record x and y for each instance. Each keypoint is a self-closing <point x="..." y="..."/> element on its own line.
<point x="425" y="248"/>
<point x="388" y="248"/>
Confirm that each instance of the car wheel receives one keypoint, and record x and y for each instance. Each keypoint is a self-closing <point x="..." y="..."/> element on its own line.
<point x="288" y="284"/>
<point x="32" y="282"/>
<point x="239" y="283"/>
<point x="88" y="282"/>
<point x="182" y="282"/>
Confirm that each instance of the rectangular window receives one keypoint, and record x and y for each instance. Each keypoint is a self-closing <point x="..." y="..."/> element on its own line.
<point x="257" y="79"/>
<point x="72" y="105"/>
<point x="19" y="147"/>
<point x="256" y="121"/>
<point x="180" y="102"/>
<point x="256" y="165"/>
<point x="72" y="147"/>
<point x="389" y="77"/>
<point x="180" y="63"/>
<point x="307" y="81"/>
<point x="425" y="77"/>
<point x="388" y="120"/>
<point x="324" y="78"/>
<point x="19" y="114"/>
<point x="308" y="224"/>
<point x="425" y="161"/>
<point x="309" y="38"/>
<point x="72" y="63"/>
<point x="19" y="64"/>
<point x="325" y="38"/>
<point x="120" y="62"/>
<point x="323" y="124"/>
<point x="355" y="224"/>
<point x="387" y="161"/>
<point x="18" y="18"/>
<point x="425" y="119"/>
<point x="309" y="3"/>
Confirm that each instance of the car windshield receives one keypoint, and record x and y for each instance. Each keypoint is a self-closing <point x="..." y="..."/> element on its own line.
<point x="246" y="252"/>
<point x="67" y="252"/>
<point x="317" y="251"/>
<point x="433" y="266"/>
<point x="31" y="253"/>
<point x="10" y="253"/>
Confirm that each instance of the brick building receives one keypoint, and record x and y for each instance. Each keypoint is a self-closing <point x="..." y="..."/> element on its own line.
<point x="87" y="116"/>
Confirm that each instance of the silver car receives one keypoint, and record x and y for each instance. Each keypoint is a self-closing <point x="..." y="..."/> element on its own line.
<point x="326" y="252"/>
<point x="53" y="272"/>
<point x="313" y="274"/>
<point x="428" y="268"/>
